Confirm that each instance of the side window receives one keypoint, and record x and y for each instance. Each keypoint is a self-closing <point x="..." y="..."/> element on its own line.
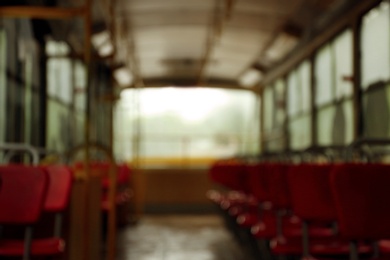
<point x="299" y="109"/>
<point x="274" y="116"/>
<point x="375" y="66"/>
<point x="333" y="101"/>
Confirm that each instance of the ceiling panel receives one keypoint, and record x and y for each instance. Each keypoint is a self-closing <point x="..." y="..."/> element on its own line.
<point x="172" y="37"/>
<point x="171" y="17"/>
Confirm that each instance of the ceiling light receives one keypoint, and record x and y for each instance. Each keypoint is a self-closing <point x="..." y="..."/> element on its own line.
<point x="102" y="43"/>
<point x="100" y="38"/>
<point x="282" y="45"/>
<point x="106" y="49"/>
<point x="250" y="78"/>
<point x="123" y="77"/>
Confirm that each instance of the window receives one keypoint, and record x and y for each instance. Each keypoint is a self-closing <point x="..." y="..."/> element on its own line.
<point x="343" y="65"/>
<point x="293" y="96"/>
<point x="280" y="109"/>
<point x="59" y="72"/>
<point x="28" y="90"/>
<point x="189" y="124"/>
<point x="375" y="42"/>
<point x="268" y="98"/>
<point x="274" y="116"/>
<point x="334" y="89"/>
<point x="298" y="96"/>
<point x="299" y="92"/>
<point x="80" y="77"/>
<point x="324" y="76"/>
<point x="60" y="122"/>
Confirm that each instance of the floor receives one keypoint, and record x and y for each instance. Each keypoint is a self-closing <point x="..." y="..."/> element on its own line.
<point x="178" y="237"/>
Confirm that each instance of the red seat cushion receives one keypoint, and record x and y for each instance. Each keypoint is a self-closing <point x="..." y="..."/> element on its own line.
<point x="51" y="246"/>
<point x="60" y="183"/>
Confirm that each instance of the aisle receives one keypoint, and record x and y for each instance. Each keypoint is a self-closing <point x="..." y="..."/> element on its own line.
<point x="178" y="237"/>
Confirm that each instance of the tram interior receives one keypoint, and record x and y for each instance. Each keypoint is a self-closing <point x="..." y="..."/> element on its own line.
<point x="209" y="130"/>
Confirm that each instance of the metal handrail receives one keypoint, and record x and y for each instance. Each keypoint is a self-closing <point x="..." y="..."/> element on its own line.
<point x="14" y="148"/>
<point x="366" y="143"/>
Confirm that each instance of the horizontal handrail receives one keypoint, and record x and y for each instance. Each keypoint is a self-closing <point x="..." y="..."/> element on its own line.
<point x="12" y="148"/>
<point x="365" y="142"/>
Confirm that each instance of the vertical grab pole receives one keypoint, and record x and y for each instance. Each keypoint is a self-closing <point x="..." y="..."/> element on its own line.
<point x="112" y="216"/>
<point x="87" y="17"/>
<point x="111" y="221"/>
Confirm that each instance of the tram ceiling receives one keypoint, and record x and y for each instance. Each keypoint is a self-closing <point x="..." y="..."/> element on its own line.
<point x="196" y="42"/>
<point x="204" y="41"/>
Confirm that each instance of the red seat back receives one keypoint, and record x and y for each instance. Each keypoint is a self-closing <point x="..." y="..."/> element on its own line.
<point x="278" y="186"/>
<point x="258" y="181"/>
<point x="102" y="170"/>
<point x="231" y="174"/>
<point x="124" y="174"/>
<point x="60" y="183"/>
<point x="22" y="194"/>
<point x="311" y="194"/>
<point x="362" y="193"/>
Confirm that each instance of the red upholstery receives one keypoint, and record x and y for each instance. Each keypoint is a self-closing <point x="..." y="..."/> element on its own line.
<point x="311" y="195"/>
<point x="265" y="228"/>
<point x="22" y="194"/>
<point x="41" y="247"/>
<point x="278" y="186"/>
<point x="279" y="196"/>
<point x="258" y="204"/>
<point x="229" y="173"/>
<point x="312" y="201"/>
<point x="60" y="183"/>
<point x="361" y="195"/>
<point x="57" y="197"/>
<point x="123" y="172"/>
<point x="232" y="174"/>
<point x="257" y="181"/>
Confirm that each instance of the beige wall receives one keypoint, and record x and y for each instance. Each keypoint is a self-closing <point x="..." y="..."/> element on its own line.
<point x="158" y="190"/>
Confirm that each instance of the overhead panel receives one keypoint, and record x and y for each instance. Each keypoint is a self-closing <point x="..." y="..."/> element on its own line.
<point x="251" y="27"/>
<point x="208" y="39"/>
<point x="168" y="36"/>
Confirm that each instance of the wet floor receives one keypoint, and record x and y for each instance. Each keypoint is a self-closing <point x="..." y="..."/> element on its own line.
<point x="178" y="237"/>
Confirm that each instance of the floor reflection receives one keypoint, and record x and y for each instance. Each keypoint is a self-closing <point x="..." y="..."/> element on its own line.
<point x="178" y="237"/>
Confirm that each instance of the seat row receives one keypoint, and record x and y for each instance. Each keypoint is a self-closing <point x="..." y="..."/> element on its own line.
<point x="305" y="210"/>
<point x="25" y="194"/>
<point x="31" y="197"/>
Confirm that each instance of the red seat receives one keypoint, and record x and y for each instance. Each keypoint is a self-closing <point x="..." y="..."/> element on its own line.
<point x="231" y="175"/>
<point x="312" y="202"/>
<point x="270" y="187"/>
<point x="123" y="192"/>
<point x="258" y="187"/>
<point x="56" y="202"/>
<point x="123" y="173"/>
<point x="22" y="195"/>
<point x="275" y="222"/>
<point x="361" y="193"/>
